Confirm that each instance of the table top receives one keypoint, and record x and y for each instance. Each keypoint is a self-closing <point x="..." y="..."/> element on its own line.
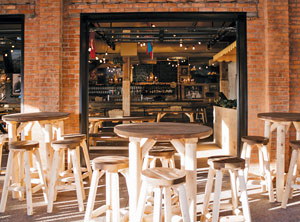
<point x="163" y="130"/>
<point x="280" y="116"/>
<point x="36" y="116"/>
<point x="124" y="118"/>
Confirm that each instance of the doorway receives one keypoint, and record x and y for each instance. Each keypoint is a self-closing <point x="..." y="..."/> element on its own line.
<point x="220" y="22"/>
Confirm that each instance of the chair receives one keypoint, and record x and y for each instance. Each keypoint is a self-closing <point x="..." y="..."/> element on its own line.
<point x="292" y="179"/>
<point x="217" y="166"/>
<point x="23" y="148"/>
<point x="63" y="180"/>
<point x="110" y="166"/>
<point x="115" y="113"/>
<point x="265" y="175"/>
<point x="163" y="179"/>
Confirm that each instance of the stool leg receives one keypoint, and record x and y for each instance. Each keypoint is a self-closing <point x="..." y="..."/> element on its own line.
<point x="28" y="184"/>
<point x="115" y="204"/>
<point x="217" y="196"/>
<point x="234" y="193"/>
<point x="15" y="174"/>
<point x="41" y="174"/>
<point x="172" y="162"/>
<point x="247" y="161"/>
<point x="146" y="162"/>
<point x="53" y="179"/>
<point x="167" y="204"/>
<point x="21" y="174"/>
<point x="266" y="161"/>
<point x="87" y="159"/>
<point x="108" y="190"/>
<point x="244" y="196"/>
<point x="141" y="202"/>
<point x="208" y="189"/>
<point x="157" y="204"/>
<point x="6" y="181"/>
<point x="184" y="204"/>
<point x="1" y="149"/>
<point x="92" y="194"/>
<point x="289" y="179"/>
<point x="261" y="167"/>
<point x="78" y="178"/>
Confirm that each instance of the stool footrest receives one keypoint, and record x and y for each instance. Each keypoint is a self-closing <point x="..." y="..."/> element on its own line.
<point x="100" y="210"/>
<point x="65" y="187"/>
<point x="16" y="187"/>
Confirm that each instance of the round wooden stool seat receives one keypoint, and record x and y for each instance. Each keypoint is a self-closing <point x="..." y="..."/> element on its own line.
<point x="227" y="163"/>
<point x="110" y="163"/>
<point x="252" y="140"/>
<point x="211" y="158"/>
<point x="75" y="136"/>
<point x="162" y="176"/>
<point x="23" y="145"/>
<point x="295" y="144"/>
<point x="3" y="137"/>
<point x="161" y="151"/>
<point x="67" y="143"/>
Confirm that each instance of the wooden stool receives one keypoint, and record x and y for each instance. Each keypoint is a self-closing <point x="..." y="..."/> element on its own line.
<point x="63" y="180"/>
<point x="235" y="166"/>
<point x="163" y="153"/>
<point x="160" y="178"/>
<point x="264" y="161"/>
<point x="201" y="114"/>
<point x="23" y="148"/>
<point x="88" y="170"/>
<point x="111" y="166"/>
<point x="3" y="140"/>
<point x="292" y="179"/>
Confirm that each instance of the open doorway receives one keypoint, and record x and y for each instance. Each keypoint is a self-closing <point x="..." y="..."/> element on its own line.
<point x="172" y="59"/>
<point x="11" y="63"/>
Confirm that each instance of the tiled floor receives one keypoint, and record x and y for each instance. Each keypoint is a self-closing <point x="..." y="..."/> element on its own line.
<point x="66" y="208"/>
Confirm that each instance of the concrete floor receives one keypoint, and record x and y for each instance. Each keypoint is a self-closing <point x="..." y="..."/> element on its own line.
<point x="66" y="208"/>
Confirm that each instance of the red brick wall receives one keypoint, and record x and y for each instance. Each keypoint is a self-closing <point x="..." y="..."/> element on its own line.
<point x="272" y="55"/>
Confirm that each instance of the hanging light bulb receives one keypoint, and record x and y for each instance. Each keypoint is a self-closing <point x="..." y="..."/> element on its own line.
<point x="185" y="48"/>
<point x="13" y="46"/>
<point x="180" y="44"/>
<point x="106" y="53"/>
<point x="97" y="58"/>
<point x="193" y="47"/>
<point x="199" y="43"/>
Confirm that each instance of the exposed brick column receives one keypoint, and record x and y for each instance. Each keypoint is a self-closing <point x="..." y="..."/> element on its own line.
<point x="43" y="57"/>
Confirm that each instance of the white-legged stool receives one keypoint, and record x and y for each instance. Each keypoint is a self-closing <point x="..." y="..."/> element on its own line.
<point x="163" y="153"/>
<point x="63" y="180"/>
<point x="217" y="166"/>
<point x="23" y="148"/>
<point x="111" y="166"/>
<point x="88" y="170"/>
<point x="158" y="179"/>
<point x="264" y="162"/>
<point x="292" y="179"/>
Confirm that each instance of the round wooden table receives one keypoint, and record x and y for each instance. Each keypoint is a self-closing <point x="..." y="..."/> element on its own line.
<point x="142" y="137"/>
<point x="280" y="121"/>
<point x="23" y="122"/>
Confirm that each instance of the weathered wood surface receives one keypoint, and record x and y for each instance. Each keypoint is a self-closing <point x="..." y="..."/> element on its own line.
<point x="37" y="116"/>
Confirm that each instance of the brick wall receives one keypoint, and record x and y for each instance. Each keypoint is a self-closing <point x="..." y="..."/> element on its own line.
<point x="272" y="53"/>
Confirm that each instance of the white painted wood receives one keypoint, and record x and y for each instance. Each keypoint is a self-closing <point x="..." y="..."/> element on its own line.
<point x="268" y="176"/>
<point x="53" y="179"/>
<point x="217" y="196"/>
<point x="280" y="161"/>
<point x="108" y="196"/>
<point x="183" y="204"/>
<point x="261" y="167"/>
<point x="147" y="145"/>
<point x="28" y="184"/>
<point x="244" y="196"/>
<point x="141" y="202"/>
<point x="86" y="158"/>
<point x="15" y="174"/>
<point x="78" y="178"/>
<point x="6" y="184"/>
<point x="135" y="168"/>
<point x="41" y="174"/>
<point x="167" y="204"/>
<point x="21" y="173"/>
<point x="115" y="198"/>
<point x="191" y="175"/>
<point x="247" y="160"/>
<point x="157" y="204"/>
<point x="179" y="145"/>
<point x="234" y="194"/>
<point x="289" y="180"/>
<point x="207" y="193"/>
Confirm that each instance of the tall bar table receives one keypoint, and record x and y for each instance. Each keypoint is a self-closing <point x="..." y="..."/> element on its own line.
<point x="142" y="136"/>
<point x="280" y="121"/>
